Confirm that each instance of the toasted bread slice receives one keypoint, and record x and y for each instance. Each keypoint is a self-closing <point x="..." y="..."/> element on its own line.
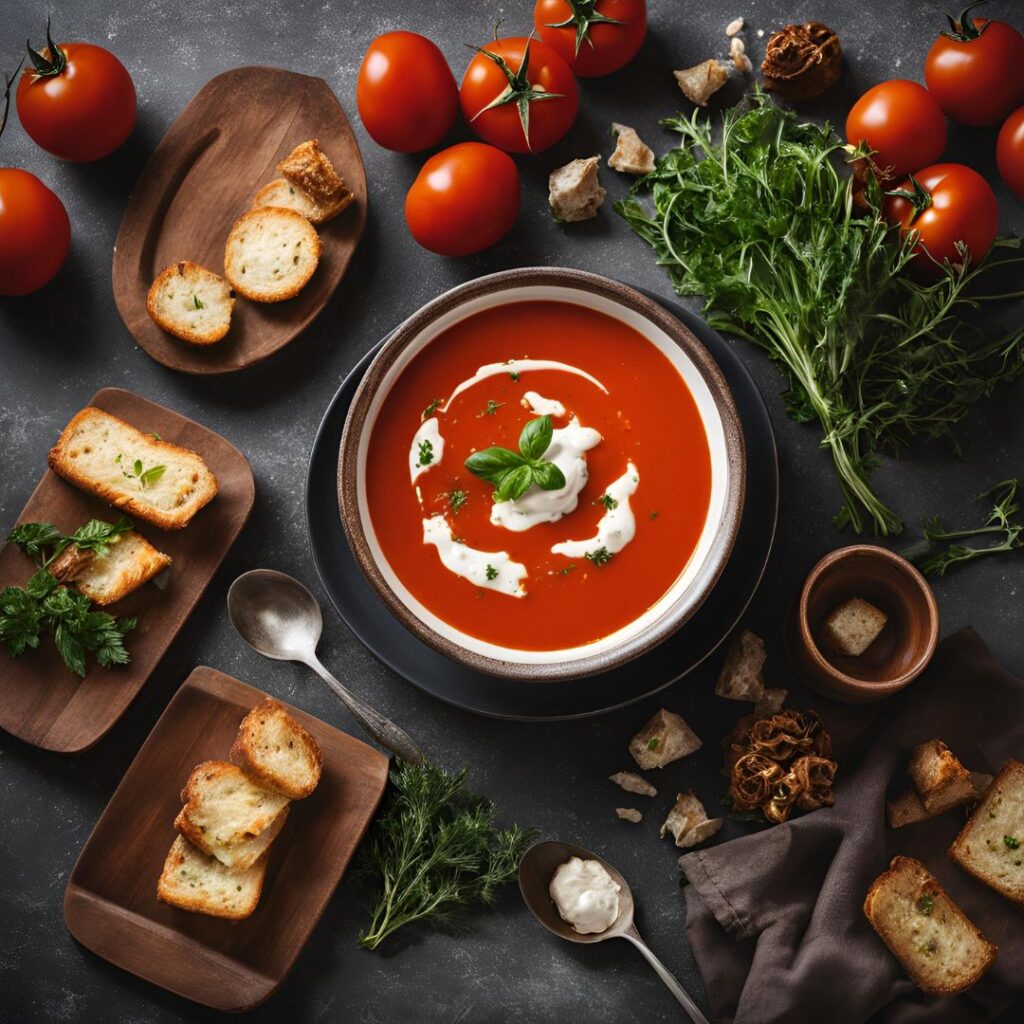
<point x="131" y="561"/>
<point x="192" y="303"/>
<point x="938" y="946"/>
<point x="308" y="168"/>
<point x="193" y="881"/>
<point x="991" y="845"/>
<point x="138" y="473"/>
<point x="271" y="254"/>
<point x="940" y="779"/>
<point x="274" y="749"/>
<point x="280" y="192"/>
<point x="225" y="811"/>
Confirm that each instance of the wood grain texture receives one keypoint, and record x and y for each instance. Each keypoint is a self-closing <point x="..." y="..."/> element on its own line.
<point x="202" y="177"/>
<point x="41" y="700"/>
<point x="110" y="904"/>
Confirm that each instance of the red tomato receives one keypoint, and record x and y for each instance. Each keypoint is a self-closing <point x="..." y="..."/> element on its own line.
<point x="77" y="101"/>
<point x="1010" y="152"/>
<point x="950" y="203"/>
<point x="516" y="84"/>
<point x="976" y="71"/>
<point x="902" y="122"/>
<point x="406" y="93"/>
<point x="594" y="37"/>
<point x="35" y="233"/>
<point x="463" y="200"/>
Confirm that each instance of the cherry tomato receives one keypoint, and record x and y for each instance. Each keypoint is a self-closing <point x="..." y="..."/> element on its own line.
<point x="35" y="233"/>
<point x="519" y="95"/>
<point x="77" y="101"/>
<point x="594" y="37"/>
<point x="902" y="122"/>
<point x="945" y="204"/>
<point x="406" y="93"/>
<point x="463" y="200"/>
<point x="1010" y="152"/>
<point x="976" y="70"/>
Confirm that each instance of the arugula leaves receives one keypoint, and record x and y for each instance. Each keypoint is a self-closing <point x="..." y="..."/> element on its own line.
<point x="513" y="473"/>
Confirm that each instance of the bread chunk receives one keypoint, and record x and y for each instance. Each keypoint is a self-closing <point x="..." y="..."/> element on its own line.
<point x="629" y="814"/>
<point x="225" y="813"/>
<point x="741" y="676"/>
<point x="160" y="482"/>
<point x="309" y="169"/>
<point x="940" y="779"/>
<point x="283" y="193"/>
<point x="633" y="783"/>
<point x="131" y="562"/>
<point x="853" y="627"/>
<point x="991" y="845"/>
<point x="664" y="739"/>
<point x="193" y="881"/>
<point x="942" y="951"/>
<point x="905" y="809"/>
<point x="632" y="155"/>
<point x="271" y="254"/>
<point x="574" y="191"/>
<point x="698" y="84"/>
<point x="688" y="821"/>
<point x="192" y="303"/>
<point x="770" y="703"/>
<point x="276" y="751"/>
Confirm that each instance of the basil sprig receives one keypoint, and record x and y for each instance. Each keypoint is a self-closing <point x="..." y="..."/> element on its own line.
<point x="513" y="473"/>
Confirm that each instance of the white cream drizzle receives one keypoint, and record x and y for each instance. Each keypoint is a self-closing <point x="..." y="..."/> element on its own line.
<point x="429" y="431"/>
<point x="539" y="506"/>
<point x="617" y="526"/>
<point x="543" y="406"/>
<point x="518" y="366"/>
<point x="471" y="564"/>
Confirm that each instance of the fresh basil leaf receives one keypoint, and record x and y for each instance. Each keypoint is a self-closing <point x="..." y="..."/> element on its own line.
<point x="515" y="483"/>
<point x="535" y="439"/>
<point x="492" y="464"/>
<point x="548" y="476"/>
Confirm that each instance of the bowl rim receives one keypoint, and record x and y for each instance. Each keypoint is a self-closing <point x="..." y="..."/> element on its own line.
<point x="836" y="676"/>
<point x="722" y="542"/>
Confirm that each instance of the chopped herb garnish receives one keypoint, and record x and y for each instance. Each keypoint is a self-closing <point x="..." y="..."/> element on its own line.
<point x="197" y="302"/>
<point x="1012" y="843"/>
<point x="652" y="743"/>
<point x="492" y="573"/>
<point x="925" y="904"/>
<point x="513" y="473"/>
<point x="514" y="376"/>
<point x="43" y="541"/>
<point x="492" y="408"/>
<point x="608" y="501"/>
<point x="432" y="408"/>
<point x="426" y="450"/>
<point x="654" y="514"/>
<point x="928" y="948"/>
<point x="145" y="477"/>
<point x="456" y="500"/>
<point x="601" y="556"/>
<point x="565" y="570"/>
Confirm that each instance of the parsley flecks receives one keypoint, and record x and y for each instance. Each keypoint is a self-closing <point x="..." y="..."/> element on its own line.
<point x="456" y="500"/>
<point x="432" y="408"/>
<point x="492" y="408"/>
<point x="652" y="743"/>
<point x="491" y="572"/>
<point x="565" y="570"/>
<point x="602" y="556"/>
<point x="608" y="501"/>
<point x="513" y="473"/>
<point x="197" y="302"/>
<point x="926" y="904"/>
<point x="514" y="376"/>
<point x="1011" y="842"/>
<point x="426" y="450"/>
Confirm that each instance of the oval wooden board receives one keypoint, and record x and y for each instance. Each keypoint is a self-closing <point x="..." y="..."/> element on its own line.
<point x="224" y="145"/>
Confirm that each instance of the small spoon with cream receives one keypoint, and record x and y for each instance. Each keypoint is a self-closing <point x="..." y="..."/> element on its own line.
<point x="582" y="898"/>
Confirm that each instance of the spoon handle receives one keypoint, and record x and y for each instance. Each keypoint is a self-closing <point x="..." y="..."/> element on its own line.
<point x="667" y="977"/>
<point x="381" y="729"/>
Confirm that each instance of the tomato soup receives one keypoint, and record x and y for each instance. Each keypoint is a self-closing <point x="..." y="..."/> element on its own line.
<point x="617" y="475"/>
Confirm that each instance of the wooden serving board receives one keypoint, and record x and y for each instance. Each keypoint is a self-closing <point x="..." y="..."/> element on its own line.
<point x="41" y="700"/>
<point x="110" y="904"/>
<point x="202" y="177"/>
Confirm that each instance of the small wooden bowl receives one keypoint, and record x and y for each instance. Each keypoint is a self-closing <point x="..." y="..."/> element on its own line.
<point x="901" y="651"/>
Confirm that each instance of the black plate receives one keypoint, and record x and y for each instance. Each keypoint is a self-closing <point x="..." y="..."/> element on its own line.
<point x="366" y="615"/>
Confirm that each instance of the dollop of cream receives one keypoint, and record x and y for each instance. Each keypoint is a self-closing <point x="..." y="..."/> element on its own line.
<point x="515" y="367"/>
<point x="492" y="570"/>
<point x="543" y="406"/>
<point x="429" y="432"/>
<point x="566" y="451"/>
<point x="586" y="896"/>
<point x="617" y="526"/>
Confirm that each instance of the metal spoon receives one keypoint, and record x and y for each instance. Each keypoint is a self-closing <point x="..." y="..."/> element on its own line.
<point x="535" y="872"/>
<point x="278" y="617"/>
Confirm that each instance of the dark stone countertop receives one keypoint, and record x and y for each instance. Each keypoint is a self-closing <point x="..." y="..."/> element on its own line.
<point x="58" y="347"/>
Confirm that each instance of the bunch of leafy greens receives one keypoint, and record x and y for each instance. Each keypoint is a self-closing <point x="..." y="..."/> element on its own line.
<point x="44" y="542"/>
<point x="434" y="850"/>
<point x="764" y="225"/>
<point x="941" y="550"/>
<point x="512" y="473"/>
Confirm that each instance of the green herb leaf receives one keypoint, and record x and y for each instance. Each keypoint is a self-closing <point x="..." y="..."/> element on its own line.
<point x="151" y="475"/>
<point x="426" y="452"/>
<point x="456" y="501"/>
<point x="514" y="483"/>
<point x="492" y="408"/>
<point x="1011" y="842"/>
<point x="20" y="620"/>
<point x="34" y="538"/>
<point x="602" y="556"/>
<point x="97" y="536"/>
<point x="926" y="904"/>
<point x="197" y="302"/>
<point x="548" y="477"/>
<point x="608" y="501"/>
<point x="535" y="439"/>
<point x="491" y="572"/>
<point x="492" y="464"/>
<point x="432" y="408"/>
<point x="652" y="743"/>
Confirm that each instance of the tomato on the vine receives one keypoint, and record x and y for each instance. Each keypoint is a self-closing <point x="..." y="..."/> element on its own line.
<point x="463" y="200"/>
<point x="902" y="122"/>
<point x="594" y="37"/>
<point x="77" y="100"/>
<point x="406" y="93"/>
<point x="519" y="95"/>
<point x="1010" y="152"/>
<point x="976" y="69"/>
<point x="945" y="204"/>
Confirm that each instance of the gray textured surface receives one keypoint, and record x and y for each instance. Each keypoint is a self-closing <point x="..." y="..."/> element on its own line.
<point x="60" y="346"/>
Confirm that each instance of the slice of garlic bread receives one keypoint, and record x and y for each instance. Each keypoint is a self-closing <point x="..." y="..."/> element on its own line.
<point x="130" y="562"/>
<point x="271" y="254"/>
<point x="193" y="881"/>
<point x="274" y="749"/>
<point x="192" y="303"/>
<point x="160" y="482"/>
<point x="283" y="193"/>
<point x="308" y="168"/>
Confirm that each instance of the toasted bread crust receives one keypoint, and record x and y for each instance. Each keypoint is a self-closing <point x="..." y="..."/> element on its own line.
<point x="146" y="563"/>
<point x="167" y="892"/>
<point x="280" y="192"/>
<point x="183" y="269"/>
<point x="309" y="168"/>
<point x="234" y="258"/>
<point x="245" y="754"/>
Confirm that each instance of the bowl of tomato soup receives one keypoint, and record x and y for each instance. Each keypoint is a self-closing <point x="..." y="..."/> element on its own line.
<point x="542" y="474"/>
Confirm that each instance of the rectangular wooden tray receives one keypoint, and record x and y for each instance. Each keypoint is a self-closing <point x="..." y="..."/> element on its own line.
<point x="41" y="700"/>
<point x="110" y="904"/>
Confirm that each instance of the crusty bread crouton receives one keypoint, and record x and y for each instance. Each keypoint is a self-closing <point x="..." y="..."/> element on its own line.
<point x="574" y="191"/>
<point x="271" y="253"/>
<point x="940" y="779"/>
<point x="633" y="783"/>
<point x="664" y="739"/>
<point x="138" y="473"/>
<point x="309" y="169"/>
<point x="698" y="84"/>
<point x="942" y="951"/>
<point x="771" y="702"/>
<point x="192" y="303"/>
<point x="905" y="809"/>
<point x="280" y="192"/>
<point x="991" y="845"/>
<point x="688" y="821"/>
<point x="632" y="155"/>
<point x="853" y="627"/>
<point x="629" y="814"/>
<point x="193" y="881"/>
<point x="130" y="562"/>
<point x="276" y="751"/>
<point x="740" y="677"/>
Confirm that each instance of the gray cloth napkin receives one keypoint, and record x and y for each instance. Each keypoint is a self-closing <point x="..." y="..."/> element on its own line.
<point x="775" y="918"/>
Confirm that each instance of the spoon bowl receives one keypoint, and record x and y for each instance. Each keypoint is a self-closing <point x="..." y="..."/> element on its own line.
<point x="275" y="614"/>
